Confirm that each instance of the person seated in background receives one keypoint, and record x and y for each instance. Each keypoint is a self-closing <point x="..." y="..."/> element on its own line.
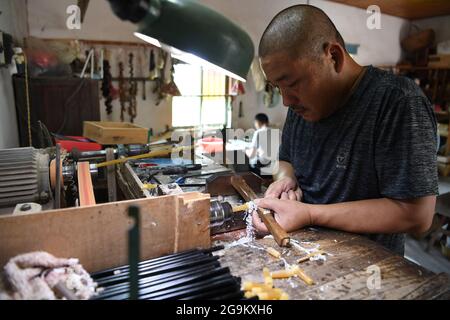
<point x="258" y="152"/>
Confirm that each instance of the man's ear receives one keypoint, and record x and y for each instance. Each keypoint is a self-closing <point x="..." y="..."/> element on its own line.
<point x="335" y="53"/>
<point x="261" y="68"/>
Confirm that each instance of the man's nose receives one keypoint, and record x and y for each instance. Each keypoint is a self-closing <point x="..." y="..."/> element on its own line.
<point x="289" y="100"/>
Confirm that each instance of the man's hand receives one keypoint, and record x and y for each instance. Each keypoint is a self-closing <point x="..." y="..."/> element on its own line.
<point x="291" y="215"/>
<point x="285" y="189"/>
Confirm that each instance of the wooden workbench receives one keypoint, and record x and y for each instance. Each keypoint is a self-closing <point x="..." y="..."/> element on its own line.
<point x="344" y="273"/>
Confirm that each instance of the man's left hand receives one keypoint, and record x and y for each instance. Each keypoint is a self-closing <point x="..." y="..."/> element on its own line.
<point x="290" y="215"/>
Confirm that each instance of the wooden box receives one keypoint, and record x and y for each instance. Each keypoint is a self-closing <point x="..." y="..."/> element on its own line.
<point x="115" y="132"/>
<point x="439" y="61"/>
<point x="98" y="235"/>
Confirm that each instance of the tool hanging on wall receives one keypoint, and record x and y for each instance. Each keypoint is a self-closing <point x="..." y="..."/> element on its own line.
<point x="241" y="110"/>
<point x="107" y="86"/>
<point x="170" y="88"/>
<point x="142" y="73"/>
<point x="123" y="92"/>
<point x="152" y="69"/>
<point x="132" y="103"/>
<point x="159" y="82"/>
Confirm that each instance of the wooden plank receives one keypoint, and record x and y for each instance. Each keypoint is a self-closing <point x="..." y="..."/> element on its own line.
<point x="85" y="188"/>
<point x="97" y="235"/>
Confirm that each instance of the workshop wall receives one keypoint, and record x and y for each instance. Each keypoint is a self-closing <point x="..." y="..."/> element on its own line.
<point x="49" y="21"/>
<point x="13" y="21"/>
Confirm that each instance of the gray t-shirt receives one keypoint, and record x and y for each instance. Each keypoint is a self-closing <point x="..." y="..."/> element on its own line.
<point x="381" y="144"/>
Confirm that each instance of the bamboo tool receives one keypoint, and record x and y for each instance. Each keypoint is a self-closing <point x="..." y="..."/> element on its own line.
<point x="280" y="236"/>
<point x="153" y="154"/>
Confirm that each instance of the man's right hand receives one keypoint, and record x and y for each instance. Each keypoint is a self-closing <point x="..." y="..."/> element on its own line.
<point x="284" y="189"/>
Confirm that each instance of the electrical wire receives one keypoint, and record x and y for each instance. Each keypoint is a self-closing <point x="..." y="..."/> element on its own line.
<point x="27" y="96"/>
<point x="66" y="104"/>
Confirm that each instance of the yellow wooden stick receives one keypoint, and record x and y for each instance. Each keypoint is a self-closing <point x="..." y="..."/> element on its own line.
<point x="308" y="256"/>
<point x="302" y="275"/>
<point x="149" y="186"/>
<point x="152" y="154"/>
<point x="274" y="253"/>
<point x="241" y="208"/>
<point x="282" y="274"/>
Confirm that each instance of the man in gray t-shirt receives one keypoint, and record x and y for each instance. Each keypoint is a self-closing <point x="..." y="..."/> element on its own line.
<point x="358" y="150"/>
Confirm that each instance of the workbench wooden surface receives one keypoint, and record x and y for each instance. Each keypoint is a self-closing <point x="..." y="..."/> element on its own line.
<point x="343" y="275"/>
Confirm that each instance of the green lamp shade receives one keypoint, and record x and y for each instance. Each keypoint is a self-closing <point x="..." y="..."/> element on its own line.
<point x="198" y="35"/>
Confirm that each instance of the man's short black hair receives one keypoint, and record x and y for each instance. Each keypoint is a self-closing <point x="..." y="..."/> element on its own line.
<point x="262" y="118"/>
<point x="299" y="30"/>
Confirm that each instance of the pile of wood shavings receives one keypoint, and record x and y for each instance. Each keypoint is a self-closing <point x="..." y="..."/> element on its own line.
<point x="314" y="251"/>
<point x="250" y="235"/>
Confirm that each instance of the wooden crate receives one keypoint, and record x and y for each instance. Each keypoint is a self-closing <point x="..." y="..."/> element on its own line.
<point x="439" y="61"/>
<point x="115" y="132"/>
<point x="97" y="235"/>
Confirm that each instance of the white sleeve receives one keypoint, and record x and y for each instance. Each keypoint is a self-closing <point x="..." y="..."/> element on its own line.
<point x="254" y="143"/>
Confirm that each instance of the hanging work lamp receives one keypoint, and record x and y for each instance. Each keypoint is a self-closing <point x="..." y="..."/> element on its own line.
<point x="191" y="32"/>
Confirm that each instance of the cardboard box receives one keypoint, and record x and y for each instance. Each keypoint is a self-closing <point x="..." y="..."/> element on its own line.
<point x="107" y="133"/>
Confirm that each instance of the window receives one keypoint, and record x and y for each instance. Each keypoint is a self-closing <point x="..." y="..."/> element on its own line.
<point x="204" y="100"/>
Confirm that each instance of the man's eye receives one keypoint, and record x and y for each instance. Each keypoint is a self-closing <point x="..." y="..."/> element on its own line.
<point x="293" y="83"/>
